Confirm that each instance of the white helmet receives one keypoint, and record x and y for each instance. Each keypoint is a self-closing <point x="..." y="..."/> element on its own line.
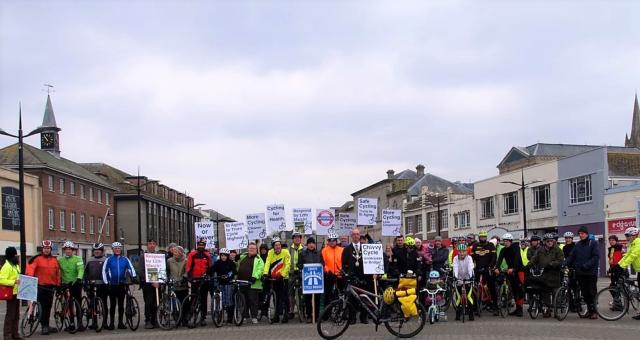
<point x="631" y="231"/>
<point x="568" y="234"/>
<point x="68" y="244"/>
<point x="507" y="236"/>
<point x="224" y="251"/>
<point x="116" y="245"/>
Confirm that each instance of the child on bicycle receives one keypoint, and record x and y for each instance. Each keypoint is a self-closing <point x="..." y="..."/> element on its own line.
<point x="463" y="271"/>
<point x="433" y="284"/>
<point x="225" y="271"/>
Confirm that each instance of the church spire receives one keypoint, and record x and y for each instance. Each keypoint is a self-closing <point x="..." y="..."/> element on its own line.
<point x="634" y="139"/>
<point x="49" y="137"/>
<point x="49" y="120"/>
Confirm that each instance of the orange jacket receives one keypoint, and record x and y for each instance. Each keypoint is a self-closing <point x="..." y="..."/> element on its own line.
<point x="332" y="259"/>
<point x="46" y="269"/>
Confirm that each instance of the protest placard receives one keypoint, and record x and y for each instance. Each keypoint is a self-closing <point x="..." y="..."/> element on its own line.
<point x="276" y="221"/>
<point x="236" y="235"/>
<point x="367" y="211"/>
<point x="256" y="226"/>
<point x="302" y="216"/>
<point x="346" y="223"/>
<point x="391" y="222"/>
<point x="325" y="220"/>
<point x="372" y="259"/>
<point x="206" y="230"/>
<point x="155" y="267"/>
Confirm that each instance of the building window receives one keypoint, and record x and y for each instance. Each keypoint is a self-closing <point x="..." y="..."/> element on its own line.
<point x="72" y="188"/>
<point x="51" y="219"/>
<point x="99" y="196"/>
<point x="91" y="225"/>
<point x="419" y="224"/>
<point x="444" y="219"/>
<point x="99" y="224"/>
<point x="432" y="220"/>
<point x="510" y="203"/>
<point x="542" y="197"/>
<point x="462" y="219"/>
<point x="62" y="226"/>
<point x="486" y="207"/>
<point x="107" y="227"/>
<point x="580" y="189"/>
<point x="82" y="193"/>
<point x="62" y="185"/>
<point x="50" y="182"/>
<point x="91" y="194"/>
<point x="72" y="222"/>
<point x="83" y="228"/>
<point x="409" y="225"/>
<point x="107" y="198"/>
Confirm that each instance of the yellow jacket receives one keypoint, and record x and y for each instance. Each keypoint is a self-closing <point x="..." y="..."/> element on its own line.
<point x="277" y="265"/>
<point x="8" y="276"/>
<point x="632" y="257"/>
<point x="523" y="256"/>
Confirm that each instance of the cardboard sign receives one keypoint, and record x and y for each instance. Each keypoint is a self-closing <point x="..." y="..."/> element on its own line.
<point x="155" y="267"/>
<point x="312" y="279"/>
<point x="303" y="217"/>
<point x="28" y="288"/>
<point x="256" y="226"/>
<point x="206" y="230"/>
<point x="391" y="222"/>
<point x="236" y="235"/>
<point x="276" y="219"/>
<point x="325" y="220"/>
<point x="367" y="211"/>
<point x="346" y="223"/>
<point x="372" y="260"/>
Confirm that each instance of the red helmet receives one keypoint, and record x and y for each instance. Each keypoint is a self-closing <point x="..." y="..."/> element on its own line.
<point x="47" y="243"/>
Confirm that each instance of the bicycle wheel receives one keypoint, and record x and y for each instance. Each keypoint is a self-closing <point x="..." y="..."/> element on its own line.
<point x="432" y="315"/>
<point x="560" y="304"/>
<point x="99" y="315"/>
<point x="168" y="313"/>
<point x="403" y="327"/>
<point x="534" y="306"/>
<point x="238" y="308"/>
<point x="271" y="306"/>
<point x="504" y="301"/>
<point x="191" y="306"/>
<point x="73" y="316"/>
<point x="59" y="308"/>
<point x="302" y="310"/>
<point x="132" y="312"/>
<point x="479" y="304"/>
<point x="334" y="320"/>
<point x="30" y="320"/>
<point x="446" y="297"/>
<point x="611" y="304"/>
<point x="217" y="314"/>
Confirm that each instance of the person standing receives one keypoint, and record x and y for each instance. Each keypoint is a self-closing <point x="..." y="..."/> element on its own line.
<point x="439" y="254"/>
<point x="463" y="269"/>
<point x="198" y="264"/>
<point x="332" y="260"/>
<point x="484" y="257"/>
<point x="225" y="270"/>
<point x="250" y="268"/>
<point x="9" y="277"/>
<point x="614" y="256"/>
<point x="149" y="290"/>
<point x="584" y="259"/>
<point x="308" y="256"/>
<point x="177" y="271"/>
<point x="46" y="268"/>
<point x="294" y="272"/>
<point x="72" y="270"/>
<point x="548" y="258"/>
<point x="353" y="266"/>
<point x="93" y="274"/>
<point x="277" y="268"/>
<point x="511" y="255"/>
<point x="114" y="274"/>
<point x="632" y="257"/>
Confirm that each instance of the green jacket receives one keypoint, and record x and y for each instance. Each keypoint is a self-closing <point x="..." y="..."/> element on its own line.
<point x="72" y="268"/>
<point x="550" y="260"/>
<point x="503" y="266"/>
<point x="258" y="267"/>
<point x="632" y="257"/>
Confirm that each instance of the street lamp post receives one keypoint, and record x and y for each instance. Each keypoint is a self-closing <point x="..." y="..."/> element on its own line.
<point x="138" y="188"/>
<point x="20" y="137"/>
<point x="523" y="186"/>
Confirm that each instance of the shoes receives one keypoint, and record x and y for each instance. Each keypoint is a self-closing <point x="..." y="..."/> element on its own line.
<point x="309" y="320"/>
<point x="471" y="316"/>
<point x="593" y="316"/>
<point x="203" y="323"/>
<point x="517" y="312"/>
<point x="352" y="321"/>
<point x="546" y="315"/>
<point x="285" y="318"/>
<point x="121" y="326"/>
<point x="109" y="327"/>
<point x="276" y="319"/>
<point x="637" y="317"/>
<point x="254" y="321"/>
<point x="45" y="330"/>
<point x="148" y="325"/>
<point x="291" y="315"/>
<point x="457" y="315"/>
<point x="364" y="321"/>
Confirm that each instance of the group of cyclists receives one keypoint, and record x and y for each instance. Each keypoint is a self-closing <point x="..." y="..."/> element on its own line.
<point x="276" y="266"/>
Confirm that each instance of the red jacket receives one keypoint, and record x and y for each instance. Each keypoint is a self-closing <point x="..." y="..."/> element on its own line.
<point x="615" y="254"/>
<point x="46" y="269"/>
<point x="198" y="263"/>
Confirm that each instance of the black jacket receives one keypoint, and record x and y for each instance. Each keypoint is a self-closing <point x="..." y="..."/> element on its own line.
<point x="585" y="257"/>
<point x="439" y="256"/>
<point x="484" y="255"/>
<point x="307" y="256"/>
<point x="352" y="261"/>
<point x="512" y="256"/>
<point x="403" y="260"/>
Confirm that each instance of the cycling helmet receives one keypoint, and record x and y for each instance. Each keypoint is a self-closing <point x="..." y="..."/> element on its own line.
<point x="549" y="236"/>
<point x="631" y="231"/>
<point x="47" y="243"/>
<point x="389" y="296"/>
<point x="224" y="251"/>
<point x="535" y="238"/>
<point x="410" y="241"/>
<point x="507" y="237"/>
<point x="568" y="234"/>
<point x="462" y="247"/>
<point x="68" y="244"/>
<point x="483" y="234"/>
<point x="274" y="240"/>
<point x="295" y="233"/>
<point x="98" y="246"/>
<point x="471" y="235"/>
<point x="116" y="245"/>
<point x="434" y="274"/>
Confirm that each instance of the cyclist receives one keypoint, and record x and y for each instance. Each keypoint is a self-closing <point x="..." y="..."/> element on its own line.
<point x="353" y="266"/>
<point x="10" y="278"/>
<point x="198" y="264"/>
<point x="46" y="268"/>
<point x="294" y="272"/>
<point x="425" y="256"/>
<point x="471" y="242"/>
<point x="549" y="258"/>
<point x="93" y="272"/>
<point x="176" y="270"/>
<point x="511" y="255"/>
<point x="277" y="268"/>
<point x="568" y="244"/>
<point x="332" y="260"/>
<point x="463" y="269"/>
<point x="584" y="259"/>
<point x="250" y="268"/>
<point x="572" y="284"/>
<point x="632" y="257"/>
<point x="225" y="270"/>
<point x="484" y="256"/>
<point x="614" y="257"/>
<point x="149" y="290"/>
<point x="524" y="249"/>
<point x="263" y="251"/>
<point x="308" y="256"/>
<point x="439" y="254"/>
<point x="534" y="246"/>
<point x="72" y="270"/>
<point x="114" y="274"/>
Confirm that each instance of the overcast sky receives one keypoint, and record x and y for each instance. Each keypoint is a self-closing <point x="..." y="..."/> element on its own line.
<point x="242" y="104"/>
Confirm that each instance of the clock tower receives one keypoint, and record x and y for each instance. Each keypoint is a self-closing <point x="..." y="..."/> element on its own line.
<point x="49" y="138"/>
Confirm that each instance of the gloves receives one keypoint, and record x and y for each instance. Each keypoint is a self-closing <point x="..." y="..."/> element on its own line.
<point x="78" y="282"/>
<point x="135" y="280"/>
<point x="252" y="280"/>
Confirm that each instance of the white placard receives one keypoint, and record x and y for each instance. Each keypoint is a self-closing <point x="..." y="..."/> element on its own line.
<point x="372" y="259"/>
<point x="155" y="267"/>
<point x="303" y="216"/>
<point x="276" y="221"/>
<point x="391" y="222"/>
<point x="28" y="288"/>
<point x="256" y="226"/>
<point x="367" y="211"/>
<point x="346" y="223"/>
<point x="206" y="230"/>
<point x="236" y="235"/>
<point x="325" y="220"/>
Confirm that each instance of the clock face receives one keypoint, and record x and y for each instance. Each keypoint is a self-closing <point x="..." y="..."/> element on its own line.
<point x="47" y="140"/>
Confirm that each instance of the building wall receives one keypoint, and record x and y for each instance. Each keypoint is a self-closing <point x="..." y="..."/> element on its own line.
<point x="32" y="212"/>
<point x="620" y="210"/>
<point x="459" y="205"/>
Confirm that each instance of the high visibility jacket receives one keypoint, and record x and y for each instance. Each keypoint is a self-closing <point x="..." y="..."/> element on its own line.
<point x="295" y="257"/>
<point x="46" y="269"/>
<point x="632" y="257"/>
<point x="332" y="259"/>
<point x="523" y="255"/>
<point x="72" y="268"/>
<point x="9" y="275"/>
<point x="277" y="265"/>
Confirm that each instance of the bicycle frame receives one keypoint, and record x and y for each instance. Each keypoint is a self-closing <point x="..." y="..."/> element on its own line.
<point x="359" y="295"/>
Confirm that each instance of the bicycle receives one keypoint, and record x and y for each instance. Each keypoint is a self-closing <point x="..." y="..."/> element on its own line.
<point x="535" y="289"/>
<point x="297" y="298"/>
<point x="567" y="298"/>
<point x="169" y="311"/>
<point x="31" y="319"/>
<point x="481" y="292"/>
<point x="67" y="311"/>
<point x="337" y="313"/>
<point x="449" y="287"/>
<point x="435" y="311"/>
<point x="269" y="303"/>
<point x="191" y="308"/>
<point x="239" y="303"/>
<point x="506" y="303"/>
<point x="464" y="299"/>
<point x="93" y="311"/>
<point x="131" y="310"/>
<point x="612" y="303"/>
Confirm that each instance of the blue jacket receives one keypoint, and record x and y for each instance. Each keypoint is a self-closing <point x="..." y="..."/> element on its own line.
<point x="585" y="257"/>
<point x="115" y="268"/>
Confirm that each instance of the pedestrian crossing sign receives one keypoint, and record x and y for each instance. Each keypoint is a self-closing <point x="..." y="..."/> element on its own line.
<point x="312" y="279"/>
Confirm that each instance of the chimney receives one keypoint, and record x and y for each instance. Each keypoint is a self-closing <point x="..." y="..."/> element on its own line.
<point x="390" y="173"/>
<point x="420" y="170"/>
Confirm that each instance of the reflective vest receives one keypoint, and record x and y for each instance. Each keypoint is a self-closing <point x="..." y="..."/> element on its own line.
<point x="523" y="256"/>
